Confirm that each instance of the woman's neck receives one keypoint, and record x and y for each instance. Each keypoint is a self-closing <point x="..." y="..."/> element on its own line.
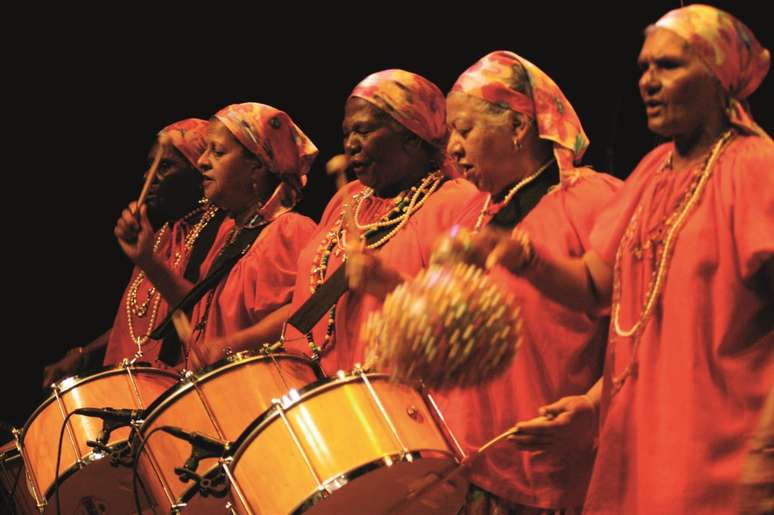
<point x="393" y="190"/>
<point x="691" y="147"/>
<point x="244" y="216"/>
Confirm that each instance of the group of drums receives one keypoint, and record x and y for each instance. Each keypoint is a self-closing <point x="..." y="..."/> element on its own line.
<point x="258" y="433"/>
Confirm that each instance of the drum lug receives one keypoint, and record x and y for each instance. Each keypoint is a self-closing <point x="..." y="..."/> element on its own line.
<point x="414" y="414"/>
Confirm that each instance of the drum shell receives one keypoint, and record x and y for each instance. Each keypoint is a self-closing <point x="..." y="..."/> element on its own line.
<point x="345" y="436"/>
<point x="218" y="403"/>
<point x="133" y="387"/>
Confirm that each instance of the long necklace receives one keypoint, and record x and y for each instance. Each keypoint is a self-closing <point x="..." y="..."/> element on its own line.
<point x="663" y="248"/>
<point x="515" y="189"/>
<point x="133" y="309"/>
<point x="405" y="205"/>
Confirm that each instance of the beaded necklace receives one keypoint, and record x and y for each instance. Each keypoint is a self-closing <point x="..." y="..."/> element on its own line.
<point x="141" y="310"/>
<point x="405" y="203"/>
<point x="661" y="240"/>
<point x="519" y="185"/>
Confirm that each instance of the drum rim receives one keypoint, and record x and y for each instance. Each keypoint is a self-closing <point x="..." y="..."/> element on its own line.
<point x="161" y="403"/>
<point x="333" y="484"/>
<point x="307" y="392"/>
<point x="79" y="381"/>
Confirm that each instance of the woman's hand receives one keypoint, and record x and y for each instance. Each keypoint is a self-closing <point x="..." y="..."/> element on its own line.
<point x="367" y="273"/>
<point x="464" y="246"/>
<point x="515" y="253"/>
<point x="135" y="235"/>
<point x="567" y="425"/>
<point x="70" y="364"/>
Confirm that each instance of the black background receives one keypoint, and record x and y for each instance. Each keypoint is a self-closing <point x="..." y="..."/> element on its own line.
<point x="87" y="98"/>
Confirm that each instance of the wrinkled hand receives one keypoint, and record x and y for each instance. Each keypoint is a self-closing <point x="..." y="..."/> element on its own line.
<point x="462" y="245"/>
<point x="135" y="234"/>
<point x="567" y="425"/>
<point x="69" y="365"/>
<point x="513" y="252"/>
<point x="367" y="273"/>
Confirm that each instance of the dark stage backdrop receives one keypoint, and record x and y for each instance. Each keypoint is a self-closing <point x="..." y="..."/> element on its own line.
<point x="88" y="97"/>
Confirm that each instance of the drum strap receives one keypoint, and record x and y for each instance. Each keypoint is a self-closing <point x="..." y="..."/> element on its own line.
<point x="228" y="257"/>
<point x="202" y="246"/>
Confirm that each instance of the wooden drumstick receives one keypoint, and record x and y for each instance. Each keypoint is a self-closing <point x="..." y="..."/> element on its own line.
<point x="184" y="332"/>
<point x="454" y="472"/>
<point x="151" y="174"/>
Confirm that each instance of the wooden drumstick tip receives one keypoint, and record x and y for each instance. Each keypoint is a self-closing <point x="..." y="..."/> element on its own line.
<point x="337" y="165"/>
<point x="182" y="326"/>
<point x="151" y="176"/>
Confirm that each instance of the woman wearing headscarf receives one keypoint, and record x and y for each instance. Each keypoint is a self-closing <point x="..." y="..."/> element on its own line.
<point x="394" y="137"/>
<point x="684" y="253"/>
<point x="254" y="167"/>
<point x="518" y="138"/>
<point x="174" y="202"/>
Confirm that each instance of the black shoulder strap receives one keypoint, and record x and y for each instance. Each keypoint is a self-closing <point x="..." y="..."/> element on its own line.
<point x="526" y="199"/>
<point x="223" y="264"/>
<point x="202" y="246"/>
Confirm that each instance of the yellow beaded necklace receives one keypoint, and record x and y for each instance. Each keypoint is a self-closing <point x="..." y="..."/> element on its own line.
<point x="671" y="227"/>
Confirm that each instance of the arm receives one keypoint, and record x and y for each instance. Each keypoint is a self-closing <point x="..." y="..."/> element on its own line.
<point x="135" y="236"/>
<point x="74" y="361"/>
<point x="584" y="284"/>
<point x="367" y="273"/>
<point x="757" y="480"/>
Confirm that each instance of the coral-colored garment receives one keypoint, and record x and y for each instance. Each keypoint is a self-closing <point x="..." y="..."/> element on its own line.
<point x="260" y="282"/>
<point x="673" y="438"/>
<point x="561" y="354"/>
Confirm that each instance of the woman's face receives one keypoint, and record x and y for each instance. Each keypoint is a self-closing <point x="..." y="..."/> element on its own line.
<point x="481" y="141"/>
<point x="177" y="186"/>
<point x="229" y="171"/>
<point x="376" y="148"/>
<point x="679" y="91"/>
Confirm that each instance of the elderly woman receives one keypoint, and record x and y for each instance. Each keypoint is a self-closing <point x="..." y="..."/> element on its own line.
<point x="518" y="138"/>
<point x="685" y="255"/>
<point x="253" y="168"/>
<point x="394" y="138"/>
<point x="186" y="223"/>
